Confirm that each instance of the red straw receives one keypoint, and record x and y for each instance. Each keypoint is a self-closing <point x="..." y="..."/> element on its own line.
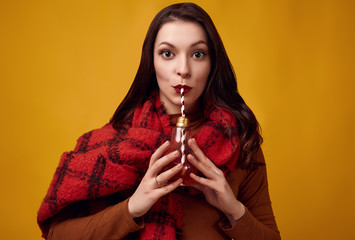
<point x="183" y="138"/>
<point x="182" y="102"/>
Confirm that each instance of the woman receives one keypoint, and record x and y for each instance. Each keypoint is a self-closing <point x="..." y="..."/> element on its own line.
<point x="113" y="185"/>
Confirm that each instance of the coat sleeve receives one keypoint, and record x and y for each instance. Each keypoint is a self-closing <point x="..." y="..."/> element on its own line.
<point x="114" y="222"/>
<point x="258" y="222"/>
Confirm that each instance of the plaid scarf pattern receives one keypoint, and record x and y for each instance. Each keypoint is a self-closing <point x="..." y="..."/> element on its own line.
<point x="106" y="161"/>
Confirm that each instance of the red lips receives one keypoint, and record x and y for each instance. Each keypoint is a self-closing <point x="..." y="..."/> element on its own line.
<point x="178" y="88"/>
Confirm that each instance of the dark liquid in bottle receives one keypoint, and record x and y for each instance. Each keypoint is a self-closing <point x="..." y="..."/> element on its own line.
<point x="184" y="173"/>
<point x="186" y="169"/>
<point x="178" y="134"/>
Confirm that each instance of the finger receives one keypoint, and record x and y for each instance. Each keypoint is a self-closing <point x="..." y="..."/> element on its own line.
<point x="159" y="152"/>
<point x="165" y="176"/>
<point x="204" y="182"/>
<point x="196" y="185"/>
<point x="170" y="187"/>
<point x="199" y="154"/>
<point x="209" y="172"/>
<point x="159" y="164"/>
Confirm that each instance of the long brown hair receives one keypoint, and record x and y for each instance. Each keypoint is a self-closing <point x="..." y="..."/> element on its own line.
<point x="221" y="88"/>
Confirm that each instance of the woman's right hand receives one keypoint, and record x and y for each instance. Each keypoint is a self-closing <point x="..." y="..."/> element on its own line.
<point x="154" y="184"/>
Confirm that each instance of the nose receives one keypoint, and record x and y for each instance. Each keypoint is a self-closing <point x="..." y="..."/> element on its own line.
<point x="183" y="68"/>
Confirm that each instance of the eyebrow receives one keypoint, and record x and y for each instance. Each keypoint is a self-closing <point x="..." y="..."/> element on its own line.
<point x="192" y="45"/>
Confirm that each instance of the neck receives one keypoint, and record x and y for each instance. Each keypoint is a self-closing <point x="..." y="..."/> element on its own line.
<point x="189" y="109"/>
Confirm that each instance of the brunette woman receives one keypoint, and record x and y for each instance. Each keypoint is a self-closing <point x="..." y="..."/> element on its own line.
<point x="115" y="183"/>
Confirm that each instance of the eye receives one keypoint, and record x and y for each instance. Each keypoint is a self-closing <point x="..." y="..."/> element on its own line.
<point x="166" y="54"/>
<point x="198" y="54"/>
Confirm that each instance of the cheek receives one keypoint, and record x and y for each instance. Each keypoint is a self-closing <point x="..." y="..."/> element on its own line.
<point x="161" y="70"/>
<point x="203" y="73"/>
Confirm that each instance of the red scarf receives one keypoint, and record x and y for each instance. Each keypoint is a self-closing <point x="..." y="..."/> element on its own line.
<point x="106" y="161"/>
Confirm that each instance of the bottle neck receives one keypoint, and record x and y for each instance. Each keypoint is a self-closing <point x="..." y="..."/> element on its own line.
<point x="178" y="132"/>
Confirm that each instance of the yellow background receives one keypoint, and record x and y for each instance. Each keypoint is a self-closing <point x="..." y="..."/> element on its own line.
<point x="66" y="65"/>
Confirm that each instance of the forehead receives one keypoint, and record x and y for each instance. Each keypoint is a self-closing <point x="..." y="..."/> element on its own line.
<point x="181" y="32"/>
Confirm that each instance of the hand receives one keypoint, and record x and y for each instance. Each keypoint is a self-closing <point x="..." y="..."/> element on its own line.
<point x="154" y="185"/>
<point x="214" y="185"/>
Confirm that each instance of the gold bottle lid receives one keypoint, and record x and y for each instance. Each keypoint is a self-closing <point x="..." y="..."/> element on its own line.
<point x="182" y="122"/>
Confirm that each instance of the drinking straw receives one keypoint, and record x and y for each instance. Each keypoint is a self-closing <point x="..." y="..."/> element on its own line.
<point x="183" y="137"/>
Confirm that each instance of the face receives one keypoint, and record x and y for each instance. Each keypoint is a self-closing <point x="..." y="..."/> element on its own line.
<point x="181" y="59"/>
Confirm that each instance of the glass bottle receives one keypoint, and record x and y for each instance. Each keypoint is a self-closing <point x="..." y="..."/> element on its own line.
<point x="177" y="142"/>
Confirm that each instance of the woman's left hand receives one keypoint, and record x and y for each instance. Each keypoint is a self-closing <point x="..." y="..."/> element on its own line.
<point x="214" y="185"/>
